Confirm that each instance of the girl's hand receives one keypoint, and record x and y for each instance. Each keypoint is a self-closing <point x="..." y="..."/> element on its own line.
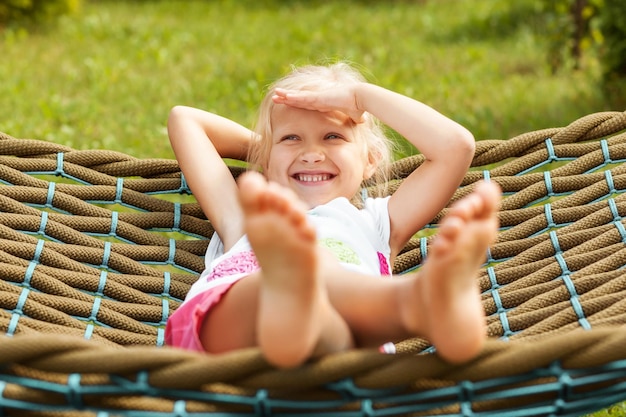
<point x="331" y="99"/>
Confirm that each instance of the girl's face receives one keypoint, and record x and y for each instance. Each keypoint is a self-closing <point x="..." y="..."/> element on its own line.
<point x="316" y="155"/>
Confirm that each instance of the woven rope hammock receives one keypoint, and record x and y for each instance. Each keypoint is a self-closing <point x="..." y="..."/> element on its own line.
<point x="98" y="248"/>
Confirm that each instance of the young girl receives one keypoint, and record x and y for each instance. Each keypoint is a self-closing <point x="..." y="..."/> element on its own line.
<point x="297" y="270"/>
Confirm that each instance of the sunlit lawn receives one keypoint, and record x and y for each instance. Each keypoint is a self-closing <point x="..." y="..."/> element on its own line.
<point x="107" y="77"/>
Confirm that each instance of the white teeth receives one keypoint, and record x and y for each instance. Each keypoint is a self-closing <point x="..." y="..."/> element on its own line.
<point x="313" y="178"/>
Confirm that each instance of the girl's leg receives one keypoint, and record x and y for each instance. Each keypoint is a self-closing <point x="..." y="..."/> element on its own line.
<point x="447" y="307"/>
<point x="440" y="302"/>
<point x="305" y="303"/>
<point x="283" y="308"/>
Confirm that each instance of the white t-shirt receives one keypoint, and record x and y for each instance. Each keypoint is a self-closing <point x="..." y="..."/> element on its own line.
<point x="359" y="238"/>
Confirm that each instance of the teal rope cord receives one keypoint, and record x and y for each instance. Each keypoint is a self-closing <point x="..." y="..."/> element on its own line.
<point x="564" y="383"/>
<point x="119" y="188"/>
<point x="165" y="308"/>
<point x="140" y="386"/>
<point x="114" y="222"/>
<point x="500" y="309"/>
<point x="18" y="312"/>
<point x="489" y="257"/>
<point x="423" y="247"/>
<point x="106" y="255"/>
<point x="180" y="408"/>
<point x="93" y="316"/>
<point x="184" y="188"/>
<point x="606" y="154"/>
<point x="552" y="157"/>
<point x="466" y="390"/>
<point x="550" y="223"/>
<point x="367" y="409"/>
<point x="50" y="196"/>
<point x="547" y="209"/>
<point x="177" y="217"/>
<point x="617" y="219"/>
<point x="3" y="385"/>
<point x="261" y="404"/>
<point x="605" y="151"/>
<point x="74" y="391"/>
<point x="59" y="169"/>
<point x="172" y="252"/>
<point x="43" y="223"/>
<point x="569" y="284"/>
<point x="34" y="262"/>
<point x="547" y="179"/>
<point x="609" y="181"/>
<point x="565" y="380"/>
<point x="349" y="391"/>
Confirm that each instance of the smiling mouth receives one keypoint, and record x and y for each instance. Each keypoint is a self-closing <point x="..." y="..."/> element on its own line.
<point x="313" y="177"/>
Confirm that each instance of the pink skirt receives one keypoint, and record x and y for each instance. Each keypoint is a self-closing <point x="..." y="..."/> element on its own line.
<point x="183" y="327"/>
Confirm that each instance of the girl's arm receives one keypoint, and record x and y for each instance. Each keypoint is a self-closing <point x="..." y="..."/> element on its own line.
<point x="447" y="146"/>
<point x="200" y="140"/>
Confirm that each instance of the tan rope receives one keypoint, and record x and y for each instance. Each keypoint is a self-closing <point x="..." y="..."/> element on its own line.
<point x="555" y="270"/>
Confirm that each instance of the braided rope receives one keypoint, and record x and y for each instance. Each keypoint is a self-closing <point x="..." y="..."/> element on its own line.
<point x="95" y="255"/>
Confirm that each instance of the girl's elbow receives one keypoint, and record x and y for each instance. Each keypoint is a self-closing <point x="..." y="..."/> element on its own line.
<point x="465" y="143"/>
<point x="464" y="148"/>
<point x="178" y="122"/>
<point x="181" y="117"/>
<point x="177" y="112"/>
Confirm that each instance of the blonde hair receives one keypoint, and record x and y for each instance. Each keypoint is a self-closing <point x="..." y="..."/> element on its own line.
<point x="314" y="77"/>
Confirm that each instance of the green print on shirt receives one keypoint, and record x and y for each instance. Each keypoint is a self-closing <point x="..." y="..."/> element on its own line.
<point x="342" y="251"/>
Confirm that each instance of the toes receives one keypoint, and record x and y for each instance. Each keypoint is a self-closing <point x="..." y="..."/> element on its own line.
<point x="258" y="197"/>
<point x="491" y="195"/>
<point x="467" y="208"/>
<point x="481" y="203"/>
<point x="451" y="227"/>
<point x="250" y="186"/>
<point x="251" y="180"/>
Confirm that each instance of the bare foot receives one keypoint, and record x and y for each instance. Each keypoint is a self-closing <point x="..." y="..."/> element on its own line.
<point x="450" y="310"/>
<point x="295" y="319"/>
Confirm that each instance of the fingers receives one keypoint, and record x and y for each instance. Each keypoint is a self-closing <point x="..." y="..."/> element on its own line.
<point x="324" y="101"/>
<point x="296" y="98"/>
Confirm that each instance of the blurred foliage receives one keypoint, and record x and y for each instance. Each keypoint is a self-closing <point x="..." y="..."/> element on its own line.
<point x="572" y="27"/>
<point x="31" y="12"/>
<point x="613" y="26"/>
<point x="579" y="27"/>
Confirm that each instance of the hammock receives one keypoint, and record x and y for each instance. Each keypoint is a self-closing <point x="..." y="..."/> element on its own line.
<point x="98" y="248"/>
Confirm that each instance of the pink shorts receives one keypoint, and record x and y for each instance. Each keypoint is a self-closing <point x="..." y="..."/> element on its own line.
<point x="183" y="327"/>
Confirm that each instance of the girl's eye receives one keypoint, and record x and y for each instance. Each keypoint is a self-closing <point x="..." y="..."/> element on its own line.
<point x="289" y="138"/>
<point x="333" y="136"/>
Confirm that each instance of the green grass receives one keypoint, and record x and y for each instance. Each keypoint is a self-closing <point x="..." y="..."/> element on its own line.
<point x="107" y="77"/>
<point x="617" y="410"/>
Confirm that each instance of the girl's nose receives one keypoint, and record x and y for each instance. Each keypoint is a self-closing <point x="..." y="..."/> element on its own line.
<point x="312" y="155"/>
